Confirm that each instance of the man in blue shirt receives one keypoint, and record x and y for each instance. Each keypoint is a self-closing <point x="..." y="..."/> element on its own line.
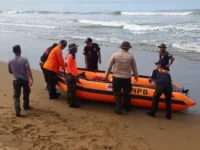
<point x="22" y="78"/>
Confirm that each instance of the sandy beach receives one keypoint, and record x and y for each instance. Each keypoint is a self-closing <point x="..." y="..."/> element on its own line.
<point x="52" y="125"/>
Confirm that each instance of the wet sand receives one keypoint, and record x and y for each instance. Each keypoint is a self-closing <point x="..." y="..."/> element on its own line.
<point x="52" y="125"/>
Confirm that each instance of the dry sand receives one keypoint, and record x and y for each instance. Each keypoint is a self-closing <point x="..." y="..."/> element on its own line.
<point x="52" y="125"/>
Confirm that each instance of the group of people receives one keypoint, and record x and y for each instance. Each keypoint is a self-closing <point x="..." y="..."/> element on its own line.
<point x="122" y="62"/>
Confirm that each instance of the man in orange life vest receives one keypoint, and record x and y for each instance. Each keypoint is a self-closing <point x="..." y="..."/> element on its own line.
<point x="71" y="77"/>
<point x="162" y="80"/>
<point x="52" y="66"/>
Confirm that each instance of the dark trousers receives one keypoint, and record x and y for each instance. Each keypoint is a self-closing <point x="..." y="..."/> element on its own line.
<point x="17" y="85"/>
<point x="118" y="85"/>
<point x="167" y="91"/>
<point x="52" y="81"/>
<point x="71" y="93"/>
<point x="93" y="66"/>
<point x="45" y="75"/>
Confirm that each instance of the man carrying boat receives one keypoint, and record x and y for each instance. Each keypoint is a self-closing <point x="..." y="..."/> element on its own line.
<point x="92" y="55"/>
<point x="43" y="59"/>
<point x="71" y="77"/>
<point x="166" y="56"/>
<point x="52" y="66"/>
<point x="162" y="80"/>
<point x="123" y="62"/>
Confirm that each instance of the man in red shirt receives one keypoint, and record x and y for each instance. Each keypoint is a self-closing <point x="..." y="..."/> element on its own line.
<point x="72" y="72"/>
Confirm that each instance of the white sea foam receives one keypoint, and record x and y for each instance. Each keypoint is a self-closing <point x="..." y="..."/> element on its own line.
<point x="28" y="25"/>
<point x="187" y="47"/>
<point x="136" y="27"/>
<point x="157" y="13"/>
<point x="103" y="23"/>
<point x="104" y="39"/>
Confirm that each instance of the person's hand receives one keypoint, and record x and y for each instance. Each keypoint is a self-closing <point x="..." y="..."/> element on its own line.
<point x="136" y="79"/>
<point x="99" y="61"/>
<point x="30" y="82"/>
<point x="77" y="80"/>
<point x="105" y="79"/>
<point x="167" y="65"/>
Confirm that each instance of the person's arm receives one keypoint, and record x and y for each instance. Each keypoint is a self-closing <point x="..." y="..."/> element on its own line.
<point x="99" y="53"/>
<point x="110" y="65"/>
<point x="86" y="57"/>
<point x="9" y="68"/>
<point x="60" y="59"/>
<point x="154" y="77"/>
<point x="171" y="60"/>
<point x="29" y="72"/>
<point x="69" y="62"/>
<point x="134" y="68"/>
<point x="86" y="61"/>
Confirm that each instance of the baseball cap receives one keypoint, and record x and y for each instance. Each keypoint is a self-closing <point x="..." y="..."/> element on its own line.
<point x="88" y="40"/>
<point x="161" y="62"/>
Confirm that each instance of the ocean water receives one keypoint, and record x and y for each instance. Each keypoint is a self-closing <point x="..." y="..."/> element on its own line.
<point x="144" y="23"/>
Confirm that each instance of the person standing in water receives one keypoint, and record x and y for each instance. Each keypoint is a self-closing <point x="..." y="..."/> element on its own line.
<point x="71" y="76"/>
<point x="19" y="67"/>
<point x="162" y="80"/>
<point x="123" y="62"/>
<point x="43" y="59"/>
<point x="166" y="56"/>
<point x="92" y="55"/>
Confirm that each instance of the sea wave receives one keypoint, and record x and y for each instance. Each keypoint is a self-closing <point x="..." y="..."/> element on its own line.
<point x="187" y="47"/>
<point x="103" y="23"/>
<point x="28" y="25"/>
<point x="139" y="27"/>
<point x="157" y="13"/>
<point x="103" y="39"/>
<point x="52" y="12"/>
<point x="150" y="13"/>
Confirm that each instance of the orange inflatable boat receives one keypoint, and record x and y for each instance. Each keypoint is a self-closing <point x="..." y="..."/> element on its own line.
<point x="93" y="89"/>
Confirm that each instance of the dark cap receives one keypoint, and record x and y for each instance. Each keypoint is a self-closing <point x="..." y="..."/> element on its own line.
<point x="161" y="62"/>
<point x="54" y="45"/>
<point x="88" y="40"/>
<point x="16" y="48"/>
<point x="72" y="46"/>
<point x="162" y="46"/>
<point x="125" y="45"/>
<point x="63" y="43"/>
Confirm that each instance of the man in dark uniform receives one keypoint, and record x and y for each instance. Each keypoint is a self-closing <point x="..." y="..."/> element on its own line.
<point x="92" y="55"/>
<point x="162" y="80"/>
<point x="43" y="59"/>
<point x="166" y="56"/>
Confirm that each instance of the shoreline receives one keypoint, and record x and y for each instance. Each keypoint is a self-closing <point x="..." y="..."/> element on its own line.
<point x="183" y="71"/>
<point x="53" y="125"/>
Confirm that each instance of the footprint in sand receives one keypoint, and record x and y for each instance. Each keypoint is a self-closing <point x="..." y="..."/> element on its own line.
<point x="95" y="146"/>
<point x="16" y="130"/>
<point x="56" y="146"/>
